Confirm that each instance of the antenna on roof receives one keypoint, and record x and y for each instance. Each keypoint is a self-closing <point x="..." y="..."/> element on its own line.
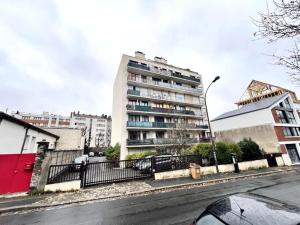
<point x="241" y="209"/>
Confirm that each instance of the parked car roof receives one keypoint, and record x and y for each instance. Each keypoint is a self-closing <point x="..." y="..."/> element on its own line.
<point x="252" y="209"/>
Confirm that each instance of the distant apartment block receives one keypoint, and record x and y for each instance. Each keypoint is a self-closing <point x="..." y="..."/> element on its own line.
<point x="152" y="98"/>
<point x="269" y="115"/>
<point x="97" y="129"/>
<point x="44" y="120"/>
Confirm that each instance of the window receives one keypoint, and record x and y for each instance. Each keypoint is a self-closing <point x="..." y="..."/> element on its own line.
<point x="100" y="125"/>
<point x="160" y="134"/>
<point x="287" y="104"/>
<point x="144" y="103"/>
<point x="287" y="131"/>
<point x="291" y="131"/>
<point x="145" y="118"/>
<point x="100" y="120"/>
<point x="134" y="118"/>
<point x="134" y="135"/>
<point x="281" y="116"/>
<point x="178" y="84"/>
<point x="291" y="117"/>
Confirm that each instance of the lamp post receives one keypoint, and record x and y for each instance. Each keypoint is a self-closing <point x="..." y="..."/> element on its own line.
<point x="209" y="127"/>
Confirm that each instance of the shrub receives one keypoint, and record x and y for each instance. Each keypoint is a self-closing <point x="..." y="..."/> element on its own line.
<point x="250" y="150"/>
<point x="202" y="149"/>
<point x="113" y="153"/>
<point x="223" y="153"/>
<point x="139" y="155"/>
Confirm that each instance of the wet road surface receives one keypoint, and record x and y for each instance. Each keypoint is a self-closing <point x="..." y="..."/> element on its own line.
<point x="176" y="207"/>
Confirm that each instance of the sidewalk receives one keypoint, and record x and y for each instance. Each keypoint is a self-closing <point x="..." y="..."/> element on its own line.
<point x="126" y="189"/>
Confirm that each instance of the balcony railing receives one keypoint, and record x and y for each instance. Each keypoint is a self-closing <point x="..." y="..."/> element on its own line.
<point x="162" y="71"/>
<point x="161" y="141"/>
<point x="161" y="97"/>
<point x="186" y="77"/>
<point x="139" y="66"/>
<point x="166" y="85"/>
<point x="133" y="92"/>
<point x="161" y="110"/>
<point x="150" y="124"/>
<point x="165" y="125"/>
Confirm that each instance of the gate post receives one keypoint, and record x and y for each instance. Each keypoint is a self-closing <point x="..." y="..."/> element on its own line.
<point x="153" y="165"/>
<point x="81" y="175"/>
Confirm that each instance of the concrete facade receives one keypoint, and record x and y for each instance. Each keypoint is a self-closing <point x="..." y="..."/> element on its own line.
<point x="150" y="99"/>
<point x="263" y="135"/>
<point x="69" y="139"/>
<point x="96" y="129"/>
<point x="43" y="120"/>
<point x="275" y="128"/>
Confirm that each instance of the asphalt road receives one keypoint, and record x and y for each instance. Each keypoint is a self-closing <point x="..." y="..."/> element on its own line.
<point x="176" y="207"/>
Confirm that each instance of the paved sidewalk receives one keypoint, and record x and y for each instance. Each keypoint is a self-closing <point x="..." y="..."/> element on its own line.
<point x="125" y="189"/>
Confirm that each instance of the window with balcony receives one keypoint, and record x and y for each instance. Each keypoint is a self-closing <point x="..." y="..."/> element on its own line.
<point x="160" y="134"/>
<point x="134" y="118"/>
<point x="145" y="118"/>
<point x="286" y="116"/>
<point x="134" y="135"/>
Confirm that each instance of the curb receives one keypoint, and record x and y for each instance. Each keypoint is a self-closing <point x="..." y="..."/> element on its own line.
<point x="152" y="190"/>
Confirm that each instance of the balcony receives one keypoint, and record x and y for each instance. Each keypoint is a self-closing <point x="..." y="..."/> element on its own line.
<point x="150" y="124"/>
<point x="139" y="66"/>
<point x="162" y="85"/>
<point x="163" y="98"/>
<point x="202" y="126"/>
<point x="161" y="141"/>
<point x="162" y="72"/>
<point x="142" y="108"/>
<point x="186" y="77"/>
<point x="133" y="92"/>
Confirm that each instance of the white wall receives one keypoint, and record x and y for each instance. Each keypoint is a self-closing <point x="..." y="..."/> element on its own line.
<point x="12" y="137"/>
<point x="244" y="120"/>
<point x="119" y="115"/>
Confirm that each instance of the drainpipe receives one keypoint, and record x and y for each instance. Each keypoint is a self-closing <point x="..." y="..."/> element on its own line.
<point x="24" y="140"/>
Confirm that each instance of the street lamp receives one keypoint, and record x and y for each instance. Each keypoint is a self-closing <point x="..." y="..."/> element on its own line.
<point x="209" y="127"/>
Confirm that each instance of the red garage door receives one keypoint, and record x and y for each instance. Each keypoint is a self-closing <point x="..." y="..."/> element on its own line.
<point x="16" y="172"/>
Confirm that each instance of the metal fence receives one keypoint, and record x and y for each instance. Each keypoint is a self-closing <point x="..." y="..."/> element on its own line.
<point x="64" y="173"/>
<point x="116" y="171"/>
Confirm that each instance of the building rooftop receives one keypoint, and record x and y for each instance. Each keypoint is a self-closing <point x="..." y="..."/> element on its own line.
<point x="252" y="107"/>
<point x="23" y="123"/>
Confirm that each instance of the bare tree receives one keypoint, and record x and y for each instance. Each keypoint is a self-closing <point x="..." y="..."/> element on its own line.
<point x="178" y="140"/>
<point x="282" y="22"/>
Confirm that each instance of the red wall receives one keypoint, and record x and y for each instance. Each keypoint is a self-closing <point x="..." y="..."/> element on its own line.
<point x="15" y="172"/>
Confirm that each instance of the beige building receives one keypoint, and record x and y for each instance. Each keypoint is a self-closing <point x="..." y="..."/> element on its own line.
<point x="152" y="100"/>
<point x="69" y="138"/>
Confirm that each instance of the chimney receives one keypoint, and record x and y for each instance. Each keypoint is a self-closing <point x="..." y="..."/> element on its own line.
<point x="140" y="55"/>
<point x="160" y="59"/>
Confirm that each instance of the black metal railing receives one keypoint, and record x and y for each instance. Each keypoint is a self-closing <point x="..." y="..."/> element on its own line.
<point x="115" y="171"/>
<point x="162" y="164"/>
<point x="161" y="141"/>
<point x="186" y="77"/>
<point x="139" y="66"/>
<point x="64" y="173"/>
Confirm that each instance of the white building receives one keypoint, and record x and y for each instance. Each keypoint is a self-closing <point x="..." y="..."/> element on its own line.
<point x="19" y="144"/>
<point x="97" y="129"/>
<point x="44" y="120"/>
<point x="272" y="122"/>
<point x="152" y="98"/>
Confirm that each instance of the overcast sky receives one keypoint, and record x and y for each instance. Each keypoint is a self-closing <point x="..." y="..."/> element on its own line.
<point x="60" y="56"/>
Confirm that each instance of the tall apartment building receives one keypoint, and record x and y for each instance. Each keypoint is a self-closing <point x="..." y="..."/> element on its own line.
<point x="152" y="99"/>
<point x="44" y="120"/>
<point x="97" y="128"/>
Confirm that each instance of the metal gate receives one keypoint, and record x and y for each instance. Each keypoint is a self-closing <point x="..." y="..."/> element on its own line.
<point x="116" y="171"/>
<point x="110" y="172"/>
